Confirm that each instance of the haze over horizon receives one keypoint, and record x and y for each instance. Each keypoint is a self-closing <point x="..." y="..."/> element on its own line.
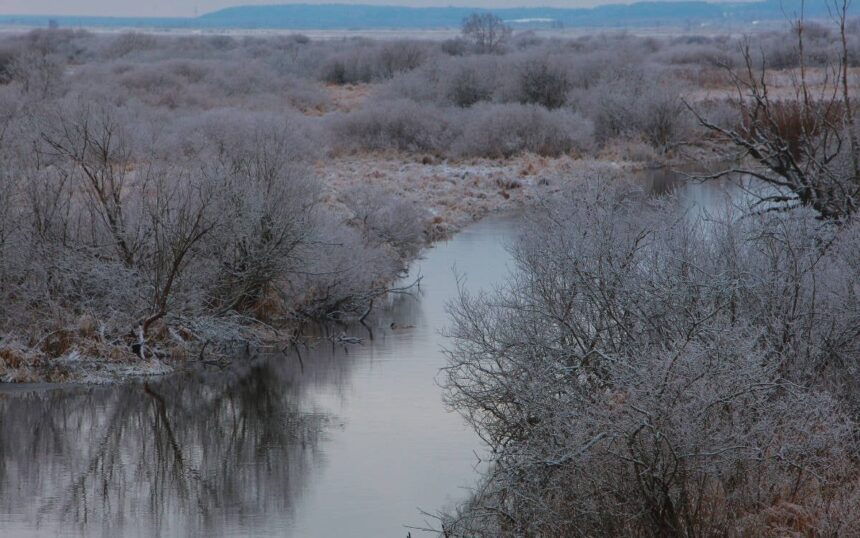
<point x="191" y="8"/>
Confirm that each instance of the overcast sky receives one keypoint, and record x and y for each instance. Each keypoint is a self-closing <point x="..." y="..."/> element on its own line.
<point x="184" y="8"/>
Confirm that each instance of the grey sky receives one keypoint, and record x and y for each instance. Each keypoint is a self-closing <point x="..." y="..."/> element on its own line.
<point x="172" y="8"/>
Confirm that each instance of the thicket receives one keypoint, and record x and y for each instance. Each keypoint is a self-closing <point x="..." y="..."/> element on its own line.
<point x="650" y="372"/>
<point x="153" y="204"/>
<point x="157" y="192"/>
<point x="625" y="86"/>
<point x="652" y="369"/>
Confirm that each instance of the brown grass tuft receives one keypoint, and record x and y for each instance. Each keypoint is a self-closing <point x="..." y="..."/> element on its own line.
<point x="792" y="121"/>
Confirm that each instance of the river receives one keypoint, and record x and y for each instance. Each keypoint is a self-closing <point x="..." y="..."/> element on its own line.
<point x="344" y="441"/>
<point x="339" y="441"/>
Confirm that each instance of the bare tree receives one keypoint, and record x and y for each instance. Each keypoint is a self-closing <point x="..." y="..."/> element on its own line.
<point x="487" y="31"/>
<point x="93" y="142"/>
<point x="806" y="144"/>
<point x="179" y="212"/>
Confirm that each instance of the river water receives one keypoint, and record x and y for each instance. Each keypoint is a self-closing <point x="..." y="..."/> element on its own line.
<point x="340" y="442"/>
<point x="344" y="442"/>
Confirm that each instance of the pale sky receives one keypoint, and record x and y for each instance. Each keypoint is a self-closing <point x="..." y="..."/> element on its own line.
<point x="186" y="8"/>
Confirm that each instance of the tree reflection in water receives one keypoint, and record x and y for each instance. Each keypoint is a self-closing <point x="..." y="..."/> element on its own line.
<point x="191" y="455"/>
<point x="256" y="449"/>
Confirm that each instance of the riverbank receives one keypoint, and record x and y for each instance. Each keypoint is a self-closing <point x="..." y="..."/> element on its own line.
<point x="230" y="190"/>
<point x="352" y="437"/>
<point x="451" y="194"/>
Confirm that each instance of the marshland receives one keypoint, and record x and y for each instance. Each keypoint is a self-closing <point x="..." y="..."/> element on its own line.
<point x="498" y="284"/>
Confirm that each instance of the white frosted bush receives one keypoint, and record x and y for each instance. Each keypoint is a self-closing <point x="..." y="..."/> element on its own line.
<point x="496" y="130"/>
<point x="401" y="124"/>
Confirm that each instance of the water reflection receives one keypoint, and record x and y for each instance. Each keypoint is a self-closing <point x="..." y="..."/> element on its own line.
<point x="179" y="457"/>
<point x="734" y="194"/>
<point x="344" y="442"/>
<point x="691" y="193"/>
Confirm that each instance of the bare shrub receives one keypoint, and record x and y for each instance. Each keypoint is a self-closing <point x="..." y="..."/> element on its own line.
<point x="638" y="104"/>
<point x="543" y="82"/>
<point x="470" y="81"/>
<point x="807" y="146"/>
<point x="401" y="124"/>
<point x="645" y="374"/>
<point x="385" y="219"/>
<point x="494" y="131"/>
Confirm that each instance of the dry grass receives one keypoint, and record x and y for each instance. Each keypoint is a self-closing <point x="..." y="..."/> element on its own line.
<point x="458" y="192"/>
<point x="348" y="97"/>
<point x="793" y="122"/>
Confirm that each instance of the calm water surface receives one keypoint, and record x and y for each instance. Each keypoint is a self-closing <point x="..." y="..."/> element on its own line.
<point x="346" y="442"/>
<point x="342" y="443"/>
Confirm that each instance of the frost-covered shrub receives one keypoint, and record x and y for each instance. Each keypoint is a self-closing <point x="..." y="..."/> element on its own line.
<point x="483" y="130"/>
<point x="371" y="61"/>
<point x="400" y="124"/>
<point x="637" y="104"/>
<point x="348" y="68"/>
<point x="67" y="44"/>
<point x="648" y="373"/>
<point x="544" y="82"/>
<point x="401" y="56"/>
<point x="779" y="50"/>
<point x="487" y="32"/>
<point x="125" y="226"/>
<point x="7" y="59"/>
<point x="112" y="146"/>
<point x="39" y="75"/>
<point x="699" y="51"/>
<point x="470" y="80"/>
<point x="344" y="273"/>
<point x="420" y="85"/>
<point x="503" y="130"/>
<point x="455" y="47"/>
<point x="387" y="220"/>
<point x="128" y="43"/>
<point x="267" y="207"/>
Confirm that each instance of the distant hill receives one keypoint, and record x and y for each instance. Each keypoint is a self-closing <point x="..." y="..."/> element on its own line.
<point x="340" y="16"/>
<point x="347" y="16"/>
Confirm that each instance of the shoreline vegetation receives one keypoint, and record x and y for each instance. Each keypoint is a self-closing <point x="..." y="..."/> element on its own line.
<point x="651" y="370"/>
<point x="165" y="199"/>
<point x="645" y="369"/>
